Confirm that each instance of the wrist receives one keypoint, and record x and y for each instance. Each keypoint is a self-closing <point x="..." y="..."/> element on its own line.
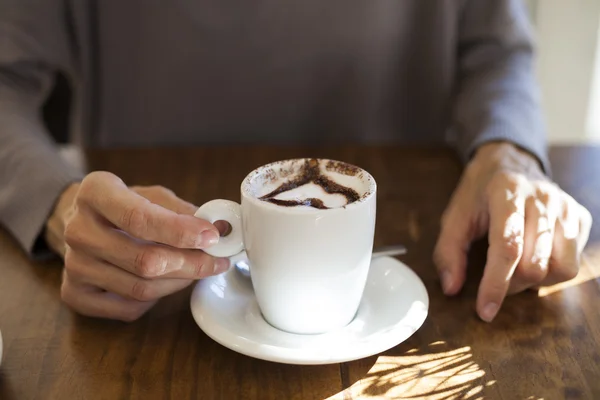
<point x="506" y="155"/>
<point x="55" y="225"/>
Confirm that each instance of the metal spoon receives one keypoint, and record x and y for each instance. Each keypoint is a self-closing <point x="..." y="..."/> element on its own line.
<point x="243" y="265"/>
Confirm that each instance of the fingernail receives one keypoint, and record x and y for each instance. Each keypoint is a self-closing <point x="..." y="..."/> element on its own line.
<point x="489" y="312"/>
<point x="221" y="265"/>
<point x="446" y="281"/>
<point x="208" y="238"/>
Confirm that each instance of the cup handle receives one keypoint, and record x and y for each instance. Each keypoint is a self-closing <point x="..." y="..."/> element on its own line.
<point x="224" y="210"/>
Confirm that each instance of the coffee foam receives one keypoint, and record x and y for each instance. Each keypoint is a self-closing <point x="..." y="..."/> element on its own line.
<point x="354" y="182"/>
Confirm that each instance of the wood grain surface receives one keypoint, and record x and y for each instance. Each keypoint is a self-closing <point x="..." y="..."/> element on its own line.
<point x="542" y="345"/>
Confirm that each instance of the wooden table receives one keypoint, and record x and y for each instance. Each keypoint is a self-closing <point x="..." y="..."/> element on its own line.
<point x="542" y="345"/>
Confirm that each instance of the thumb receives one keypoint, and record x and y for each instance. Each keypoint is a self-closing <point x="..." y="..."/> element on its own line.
<point x="450" y="254"/>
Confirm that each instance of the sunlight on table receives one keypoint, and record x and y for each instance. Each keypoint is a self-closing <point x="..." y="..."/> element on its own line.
<point x="430" y="373"/>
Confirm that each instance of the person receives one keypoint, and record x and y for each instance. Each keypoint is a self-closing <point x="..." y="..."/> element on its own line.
<point x="207" y="72"/>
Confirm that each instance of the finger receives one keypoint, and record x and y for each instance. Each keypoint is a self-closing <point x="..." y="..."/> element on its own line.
<point x="107" y="195"/>
<point x="92" y="302"/>
<point x="564" y="262"/>
<point x="166" y="198"/>
<point x="141" y="258"/>
<point x="507" y="223"/>
<point x="450" y="254"/>
<point x="97" y="273"/>
<point x="540" y="219"/>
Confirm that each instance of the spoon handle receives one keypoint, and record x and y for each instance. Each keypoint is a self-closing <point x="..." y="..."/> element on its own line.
<point x="394" y="250"/>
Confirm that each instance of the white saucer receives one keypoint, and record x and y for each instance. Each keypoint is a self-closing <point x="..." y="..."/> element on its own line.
<point x="394" y="306"/>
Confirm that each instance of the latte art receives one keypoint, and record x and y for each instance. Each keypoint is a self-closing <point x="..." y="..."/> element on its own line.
<point x="310" y="186"/>
<point x="310" y="195"/>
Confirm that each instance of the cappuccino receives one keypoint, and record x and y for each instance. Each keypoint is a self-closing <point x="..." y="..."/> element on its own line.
<point x="310" y="184"/>
<point x="307" y="226"/>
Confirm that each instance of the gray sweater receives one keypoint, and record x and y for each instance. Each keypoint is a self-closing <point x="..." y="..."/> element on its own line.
<point x="153" y="72"/>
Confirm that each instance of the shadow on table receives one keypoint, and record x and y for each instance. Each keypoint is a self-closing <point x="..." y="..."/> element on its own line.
<point x="453" y="356"/>
<point x="438" y="361"/>
<point x="165" y="355"/>
<point x="514" y="357"/>
<point x="457" y="356"/>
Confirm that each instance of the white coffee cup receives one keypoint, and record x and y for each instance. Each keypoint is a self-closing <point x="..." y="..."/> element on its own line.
<point x="308" y="266"/>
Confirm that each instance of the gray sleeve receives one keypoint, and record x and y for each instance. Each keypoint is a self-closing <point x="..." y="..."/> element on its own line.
<point x="33" y="45"/>
<point x="497" y="96"/>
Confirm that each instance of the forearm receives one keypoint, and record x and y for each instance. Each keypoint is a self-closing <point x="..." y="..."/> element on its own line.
<point x="33" y="174"/>
<point x="497" y="96"/>
<point x="34" y="45"/>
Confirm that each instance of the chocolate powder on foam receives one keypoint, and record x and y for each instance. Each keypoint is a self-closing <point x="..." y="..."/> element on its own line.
<point x="311" y="173"/>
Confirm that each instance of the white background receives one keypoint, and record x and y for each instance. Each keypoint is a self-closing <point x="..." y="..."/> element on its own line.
<point x="568" y="67"/>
